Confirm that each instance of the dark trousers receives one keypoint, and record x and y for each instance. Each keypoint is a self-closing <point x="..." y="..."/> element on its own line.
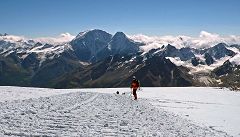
<point x="135" y="94"/>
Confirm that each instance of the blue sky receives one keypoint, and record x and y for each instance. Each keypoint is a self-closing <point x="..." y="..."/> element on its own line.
<point x="35" y="18"/>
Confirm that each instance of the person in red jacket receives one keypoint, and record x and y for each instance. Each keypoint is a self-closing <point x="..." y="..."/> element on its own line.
<point x="134" y="86"/>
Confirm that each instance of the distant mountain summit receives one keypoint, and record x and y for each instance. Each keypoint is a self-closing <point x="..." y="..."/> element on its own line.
<point x="91" y="46"/>
<point x="184" y="53"/>
<point x="219" y="51"/>
<point x="121" y="44"/>
<point x="95" y="45"/>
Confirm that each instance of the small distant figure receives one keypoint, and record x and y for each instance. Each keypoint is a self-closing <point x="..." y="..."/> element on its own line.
<point x="117" y="92"/>
<point x="134" y="86"/>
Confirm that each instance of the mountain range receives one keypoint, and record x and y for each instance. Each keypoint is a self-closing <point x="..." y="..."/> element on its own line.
<point x="96" y="58"/>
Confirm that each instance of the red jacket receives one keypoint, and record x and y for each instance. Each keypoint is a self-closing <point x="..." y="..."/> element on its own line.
<point x="135" y="84"/>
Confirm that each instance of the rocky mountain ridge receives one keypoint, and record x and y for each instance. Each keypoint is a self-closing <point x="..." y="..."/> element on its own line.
<point x="96" y="58"/>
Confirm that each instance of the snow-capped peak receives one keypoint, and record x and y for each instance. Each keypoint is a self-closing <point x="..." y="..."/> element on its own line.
<point x="94" y="32"/>
<point x="81" y="34"/>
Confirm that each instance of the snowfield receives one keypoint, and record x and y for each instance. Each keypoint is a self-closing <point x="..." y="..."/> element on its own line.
<point x="100" y="112"/>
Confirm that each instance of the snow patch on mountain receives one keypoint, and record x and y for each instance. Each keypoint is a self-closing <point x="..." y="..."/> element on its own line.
<point x="200" y="68"/>
<point x="177" y="61"/>
<point x="81" y="34"/>
<point x="51" y="52"/>
<point x="235" y="60"/>
<point x="234" y="49"/>
<point x="219" y="62"/>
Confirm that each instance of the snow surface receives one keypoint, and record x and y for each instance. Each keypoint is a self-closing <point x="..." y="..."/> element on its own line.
<point x="9" y="93"/>
<point x="91" y="112"/>
<point x="215" y="108"/>
<point x="235" y="60"/>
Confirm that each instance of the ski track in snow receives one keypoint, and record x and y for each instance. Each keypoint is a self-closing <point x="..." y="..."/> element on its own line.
<point x="93" y="114"/>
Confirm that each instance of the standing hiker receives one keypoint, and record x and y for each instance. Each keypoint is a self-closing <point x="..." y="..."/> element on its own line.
<point x="134" y="86"/>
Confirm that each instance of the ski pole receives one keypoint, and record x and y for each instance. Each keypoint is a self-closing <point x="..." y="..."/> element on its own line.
<point x="130" y="93"/>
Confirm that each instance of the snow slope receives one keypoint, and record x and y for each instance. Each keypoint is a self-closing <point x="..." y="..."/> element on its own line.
<point x="218" y="109"/>
<point x="92" y="112"/>
<point x="9" y="93"/>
